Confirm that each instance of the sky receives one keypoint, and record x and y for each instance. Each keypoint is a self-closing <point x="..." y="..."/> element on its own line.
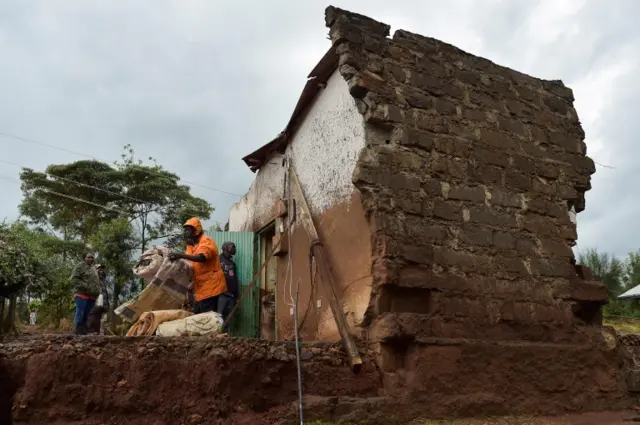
<point x="198" y="84"/>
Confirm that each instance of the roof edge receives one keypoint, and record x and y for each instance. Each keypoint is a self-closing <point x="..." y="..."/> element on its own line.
<point x="316" y="80"/>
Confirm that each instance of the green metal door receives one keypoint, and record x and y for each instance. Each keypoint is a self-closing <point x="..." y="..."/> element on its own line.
<point x="246" y="320"/>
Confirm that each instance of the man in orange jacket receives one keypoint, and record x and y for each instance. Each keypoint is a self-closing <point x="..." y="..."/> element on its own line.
<point x="208" y="277"/>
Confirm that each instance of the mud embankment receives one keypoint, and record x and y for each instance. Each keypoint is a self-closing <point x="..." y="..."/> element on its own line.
<point x="116" y="381"/>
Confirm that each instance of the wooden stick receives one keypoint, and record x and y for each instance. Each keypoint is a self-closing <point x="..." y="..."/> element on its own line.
<point x="327" y="277"/>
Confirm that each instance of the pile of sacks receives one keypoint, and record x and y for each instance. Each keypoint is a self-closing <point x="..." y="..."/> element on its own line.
<point x="176" y="323"/>
<point x="168" y="283"/>
<point x="157" y="309"/>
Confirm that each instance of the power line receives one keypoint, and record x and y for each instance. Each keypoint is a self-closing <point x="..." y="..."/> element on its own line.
<point x="78" y="183"/>
<point x="24" y="139"/>
<point x="605" y="166"/>
<point x="53" y="192"/>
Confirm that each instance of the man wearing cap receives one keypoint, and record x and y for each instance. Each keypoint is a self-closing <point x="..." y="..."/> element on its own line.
<point x="208" y="277"/>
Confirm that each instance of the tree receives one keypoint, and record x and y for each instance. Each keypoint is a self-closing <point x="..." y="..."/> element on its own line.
<point x="39" y="256"/>
<point x="159" y="203"/>
<point x="20" y="269"/>
<point x="121" y="209"/>
<point x="115" y="242"/>
<point x="605" y="268"/>
<point x="619" y="276"/>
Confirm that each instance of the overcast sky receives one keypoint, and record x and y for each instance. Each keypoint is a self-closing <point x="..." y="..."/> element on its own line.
<point x="199" y="84"/>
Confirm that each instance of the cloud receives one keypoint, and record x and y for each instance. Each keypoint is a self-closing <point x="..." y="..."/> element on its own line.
<point x="198" y="84"/>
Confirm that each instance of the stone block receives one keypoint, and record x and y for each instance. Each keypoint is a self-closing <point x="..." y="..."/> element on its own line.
<point x="486" y="174"/>
<point x="417" y="98"/>
<point x="454" y="146"/>
<point x="548" y="170"/>
<point x="482" y="214"/>
<point x="447" y="210"/>
<point x="404" y="181"/>
<point x="517" y="180"/>
<point x="466" y="193"/>
<point x="474" y="115"/>
<point x="524" y="164"/>
<point x="556" y="105"/>
<point x="486" y="157"/>
<point x="557" y="248"/>
<point x="476" y="235"/>
<point x="499" y="140"/>
<point x="506" y="199"/>
<point x="588" y="291"/>
<point x="552" y="268"/>
<point x="503" y="240"/>
<point x="526" y="246"/>
<point x="584" y="272"/>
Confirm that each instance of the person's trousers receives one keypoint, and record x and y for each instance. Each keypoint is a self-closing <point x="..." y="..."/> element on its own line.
<point x="226" y="302"/>
<point x="205" y="306"/>
<point x="83" y="308"/>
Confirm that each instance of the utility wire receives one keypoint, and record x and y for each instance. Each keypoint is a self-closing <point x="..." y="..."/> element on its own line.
<point x="24" y="139"/>
<point x="78" y="183"/>
<point x="605" y="166"/>
<point x="12" y="180"/>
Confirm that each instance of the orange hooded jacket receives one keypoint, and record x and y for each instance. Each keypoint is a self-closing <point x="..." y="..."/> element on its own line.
<point x="208" y="277"/>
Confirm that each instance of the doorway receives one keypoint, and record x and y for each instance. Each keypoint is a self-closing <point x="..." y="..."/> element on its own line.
<point x="268" y="283"/>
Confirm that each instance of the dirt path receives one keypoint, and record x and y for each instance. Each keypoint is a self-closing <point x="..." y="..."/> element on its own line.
<point x="597" y="418"/>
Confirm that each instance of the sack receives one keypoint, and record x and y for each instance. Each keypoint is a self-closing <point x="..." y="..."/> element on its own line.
<point x="198" y="325"/>
<point x="149" y="321"/>
<point x="150" y="262"/>
<point x="166" y="290"/>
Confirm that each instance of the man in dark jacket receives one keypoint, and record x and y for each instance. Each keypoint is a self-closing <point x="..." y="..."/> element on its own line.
<point x="86" y="284"/>
<point x="228" y="300"/>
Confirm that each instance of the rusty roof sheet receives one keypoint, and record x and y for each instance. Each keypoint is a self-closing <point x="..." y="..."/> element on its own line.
<point x="315" y="82"/>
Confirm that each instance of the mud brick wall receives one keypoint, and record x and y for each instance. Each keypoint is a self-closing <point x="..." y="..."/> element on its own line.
<point x="468" y="174"/>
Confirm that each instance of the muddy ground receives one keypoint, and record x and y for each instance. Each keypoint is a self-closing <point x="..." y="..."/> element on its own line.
<point x="63" y="380"/>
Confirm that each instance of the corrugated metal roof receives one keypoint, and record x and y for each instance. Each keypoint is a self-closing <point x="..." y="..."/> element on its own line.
<point x="631" y="294"/>
<point x="316" y="81"/>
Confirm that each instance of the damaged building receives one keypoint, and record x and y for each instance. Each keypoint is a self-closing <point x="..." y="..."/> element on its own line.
<point x="443" y="188"/>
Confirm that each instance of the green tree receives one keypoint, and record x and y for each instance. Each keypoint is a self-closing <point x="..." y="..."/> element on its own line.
<point x="24" y="268"/>
<point x="115" y="243"/>
<point x="120" y="209"/>
<point x="46" y="267"/>
<point x="159" y="204"/>
<point x="606" y="269"/>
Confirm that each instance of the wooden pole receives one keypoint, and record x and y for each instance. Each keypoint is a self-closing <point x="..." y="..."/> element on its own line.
<point x="326" y="276"/>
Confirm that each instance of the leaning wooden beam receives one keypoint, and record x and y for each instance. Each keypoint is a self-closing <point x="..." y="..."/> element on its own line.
<point x="326" y="275"/>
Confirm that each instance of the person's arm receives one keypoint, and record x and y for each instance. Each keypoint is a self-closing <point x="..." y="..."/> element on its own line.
<point x="105" y="294"/>
<point x="198" y="258"/>
<point x="77" y="279"/>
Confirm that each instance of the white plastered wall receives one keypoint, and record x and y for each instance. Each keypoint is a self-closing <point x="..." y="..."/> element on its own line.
<point x="323" y="151"/>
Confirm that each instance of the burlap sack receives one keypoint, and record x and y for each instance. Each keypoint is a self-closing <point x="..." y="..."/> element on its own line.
<point x="149" y="321"/>
<point x="197" y="325"/>
<point x="166" y="290"/>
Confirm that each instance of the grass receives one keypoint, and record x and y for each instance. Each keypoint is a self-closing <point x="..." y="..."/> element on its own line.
<point x="623" y="325"/>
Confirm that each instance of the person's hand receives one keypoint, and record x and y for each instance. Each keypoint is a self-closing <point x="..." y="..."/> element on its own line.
<point x="173" y="256"/>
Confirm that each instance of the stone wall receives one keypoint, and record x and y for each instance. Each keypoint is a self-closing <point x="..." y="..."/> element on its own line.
<point x="467" y="180"/>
